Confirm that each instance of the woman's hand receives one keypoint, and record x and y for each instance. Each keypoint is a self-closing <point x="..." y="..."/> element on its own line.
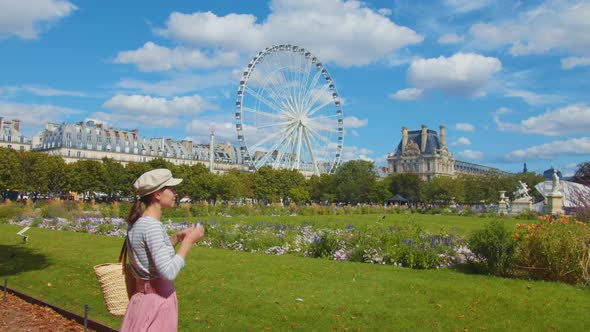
<point x="193" y="234"/>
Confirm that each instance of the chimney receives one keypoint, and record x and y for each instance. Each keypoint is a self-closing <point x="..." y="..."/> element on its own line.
<point x="443" y="136"/>
<point x="1" y="123"/>
<point x="404" y="138"/>
<point x="169" y="141"/>
<point x="16" y="125"/>
<point x="188" y="145"/>
<point x="424" y="137"/>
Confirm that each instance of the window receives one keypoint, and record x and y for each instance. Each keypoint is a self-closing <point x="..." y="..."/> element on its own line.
<point x="78" y="154"/>
<point x="118" y="141"/>
<point x="22" y="148"/>
<point x="68" y="135"/>
<point x="9" y="138"/>
<point x="9" y="146"/>
<point x="69" y="153"/>
<point x="99" y="139"/>
<point x="68" y="144"/>
<point x="79" y="136"/>
<point x="109" y="140"/>
<point x="88" y="138"/>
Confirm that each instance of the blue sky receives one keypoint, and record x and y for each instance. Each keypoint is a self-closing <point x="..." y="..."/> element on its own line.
<point x="508" y="79"/>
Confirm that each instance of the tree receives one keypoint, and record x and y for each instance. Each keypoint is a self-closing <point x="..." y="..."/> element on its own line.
<point x="10" y="171"/>
<point x="86" y="176"/>
<point x="408" y="185"/>
<point x="321" y="188"/>
<point x="354" y="180"/>
<point x="229" y="186"/>
<point x="116" y="181"/>
<point x="582" y="174"/>
<point x="443" y="189"/>
<point x="198" y="183"/>
<point x="380" y="192"/>
<point x="265" y="184"/>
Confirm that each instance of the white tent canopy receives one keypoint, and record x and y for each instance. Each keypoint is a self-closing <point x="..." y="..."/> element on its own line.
<point x="574" y="194"/>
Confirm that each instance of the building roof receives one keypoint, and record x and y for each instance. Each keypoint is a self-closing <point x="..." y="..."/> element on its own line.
<point x="433" y="144"/>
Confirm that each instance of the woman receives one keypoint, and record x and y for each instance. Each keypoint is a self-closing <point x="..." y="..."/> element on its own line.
<point x="155" y="265"/>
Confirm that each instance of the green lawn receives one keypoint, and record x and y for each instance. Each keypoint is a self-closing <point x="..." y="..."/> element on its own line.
<point x="226" y="290"/>
<point x="434" y="223"/>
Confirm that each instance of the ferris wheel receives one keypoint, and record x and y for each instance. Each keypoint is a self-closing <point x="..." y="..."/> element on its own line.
<point x="288" y="112"/>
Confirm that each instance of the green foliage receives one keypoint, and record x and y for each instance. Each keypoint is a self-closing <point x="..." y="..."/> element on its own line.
<point x="495" y="246"/>
<point x="408" y="185"/>
<point x="443" y="190"/>
<point x="324" y="246"/>
<point x="582" y="174"/>
<point x="354" y="180"/>
<point x="555" y="250"/>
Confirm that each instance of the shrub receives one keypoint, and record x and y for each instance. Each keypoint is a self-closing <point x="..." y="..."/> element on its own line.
<point x="495" y="247"/>
<point x="554" y="249"/>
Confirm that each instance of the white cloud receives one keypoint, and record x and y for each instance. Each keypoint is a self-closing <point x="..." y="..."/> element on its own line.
<point x="44" y="91"/>
<point x="465" y="127"/>
<point x="450" y="38"/>
<point x="553" y="25"/>
<point x="225" y="130"/>
<point x="464" y="6"/>
<point x="354" y="122"/>
<point x="35" y="115"/>
<point x="572" y="62"/>
<point x="153" y="111"/>
<point x="179" y="84"/>
<point x="567" y="120"/>
<point x="569" y="147"/>
<point x="532" y="98"/>
<point x="26" y="19"/>
<point x="354" y="152"/>
<point x="463" y="74"/>
<point x="471" y="155"/>
<point x="461" y="141"/>
<point x="354" y="133"/>
<point x="152" y="57"/>
<point x="343" y="32"/>
<point x="408" y="94"/>
<point x="384" y="11"/>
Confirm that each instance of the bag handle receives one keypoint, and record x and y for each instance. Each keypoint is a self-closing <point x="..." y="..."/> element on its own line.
<point x="123" y="255"/>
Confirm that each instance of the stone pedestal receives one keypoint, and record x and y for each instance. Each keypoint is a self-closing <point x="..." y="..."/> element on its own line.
<point x="554" y="203"/>
<point x="521" y="205"/>
<point x="503" y="203"/>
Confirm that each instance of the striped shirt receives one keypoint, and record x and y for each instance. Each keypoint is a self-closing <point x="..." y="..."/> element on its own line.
<point x="151" y="252"/>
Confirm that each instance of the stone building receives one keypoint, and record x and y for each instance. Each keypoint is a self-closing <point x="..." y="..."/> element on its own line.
<point x="90" y="140"/>
<point x="425" y="153"/>
<point x="11" y="137"/>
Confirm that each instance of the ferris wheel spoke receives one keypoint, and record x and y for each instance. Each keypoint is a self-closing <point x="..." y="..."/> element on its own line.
<point x="280" y="124"/>
<point x="312" y="112"/>
<point x="317" y="94"/>
<point x="311" y="154"/>
<point x="310" y="90"/>
<point x="318" y="135"/>
<point x="258" y="144"/>
<point x="264" y="100"/>
<point x="325" y="117"/>
<point x="270" y="115"/>
<point x="318" y="126"/>
<point x="269" y="153"/>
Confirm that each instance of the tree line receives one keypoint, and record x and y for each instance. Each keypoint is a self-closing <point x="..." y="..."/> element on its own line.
<point x="354" y="182"/>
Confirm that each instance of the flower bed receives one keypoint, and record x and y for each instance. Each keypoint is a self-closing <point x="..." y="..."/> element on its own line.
<point x="405" y="246"/>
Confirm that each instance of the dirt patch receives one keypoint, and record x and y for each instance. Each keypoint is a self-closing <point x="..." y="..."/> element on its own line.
<point x="19" y="315"/>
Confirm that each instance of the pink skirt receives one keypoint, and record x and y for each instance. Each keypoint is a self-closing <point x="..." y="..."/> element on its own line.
<point x="153" y="308"/>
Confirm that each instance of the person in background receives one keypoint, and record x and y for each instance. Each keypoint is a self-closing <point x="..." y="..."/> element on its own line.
<point x="154" y="261"/>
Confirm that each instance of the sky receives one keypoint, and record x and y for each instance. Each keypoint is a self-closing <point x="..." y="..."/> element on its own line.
<point x="508" y="79"/>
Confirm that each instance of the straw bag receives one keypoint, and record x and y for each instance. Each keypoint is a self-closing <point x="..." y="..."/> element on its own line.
<point x="117" y="283"/>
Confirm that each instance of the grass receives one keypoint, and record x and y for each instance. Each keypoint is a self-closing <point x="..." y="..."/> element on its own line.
<point x="434" y="223"/>
<point x="227" y="290"/>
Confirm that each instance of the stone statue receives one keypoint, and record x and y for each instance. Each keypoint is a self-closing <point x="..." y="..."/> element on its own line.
<point x="556" y="185"/>
<point x="522" y="191"/>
